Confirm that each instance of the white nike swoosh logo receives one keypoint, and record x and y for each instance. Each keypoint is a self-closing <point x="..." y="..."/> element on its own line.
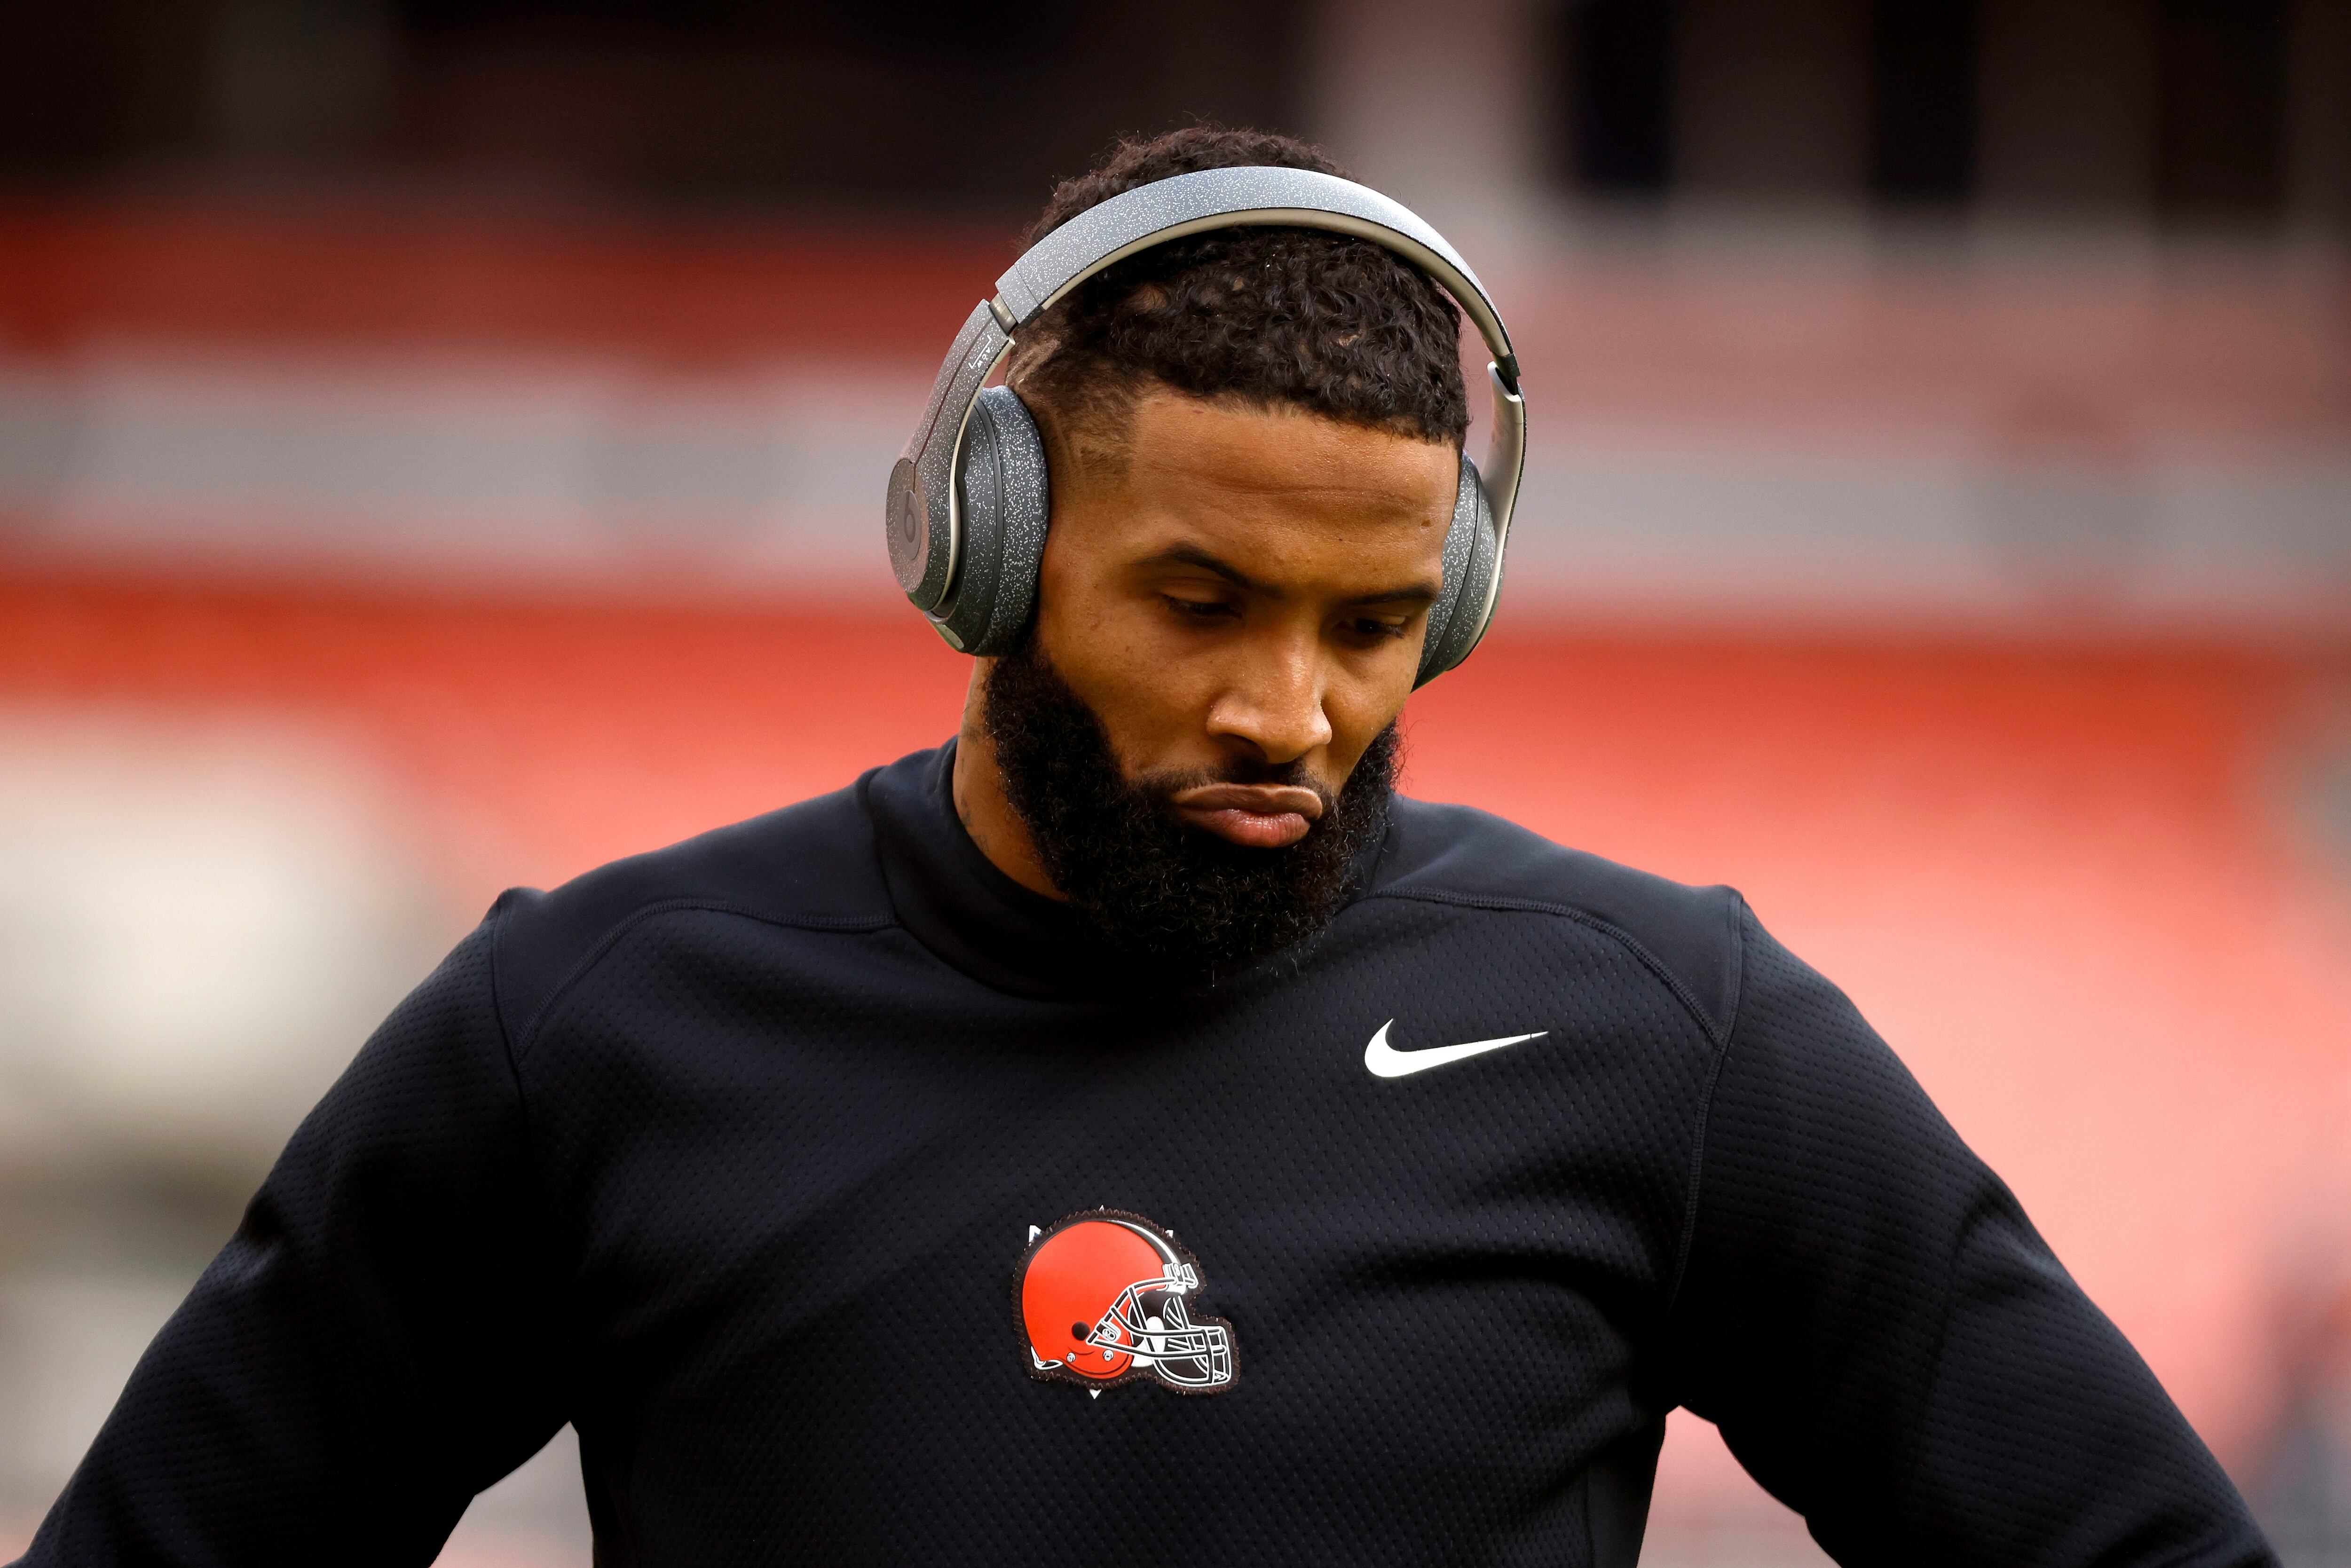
<point x="1386" y="1061"/>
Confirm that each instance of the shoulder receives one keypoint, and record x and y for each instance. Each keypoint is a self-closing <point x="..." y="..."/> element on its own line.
<point x="1691" y="936"/>
<point x="812" y="866"/>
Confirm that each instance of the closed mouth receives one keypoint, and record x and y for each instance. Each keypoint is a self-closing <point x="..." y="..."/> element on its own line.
<point x="1259" y="816"/>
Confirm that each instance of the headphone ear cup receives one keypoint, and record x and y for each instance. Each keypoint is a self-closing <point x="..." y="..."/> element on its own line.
<point x="1458" y="620"/>
<point x="1005" y="500"/>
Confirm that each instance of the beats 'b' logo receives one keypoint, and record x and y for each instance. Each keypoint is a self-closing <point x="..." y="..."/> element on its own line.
<point x="906" y="524"/>
<point x="1105" y="1298"/>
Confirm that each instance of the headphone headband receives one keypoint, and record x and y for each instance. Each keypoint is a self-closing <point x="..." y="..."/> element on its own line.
<point x="926" y="528"/>
<point x="1107" y="233"/>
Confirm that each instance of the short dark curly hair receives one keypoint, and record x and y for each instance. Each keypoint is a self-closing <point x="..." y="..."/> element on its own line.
<point x="1324" y="322"/>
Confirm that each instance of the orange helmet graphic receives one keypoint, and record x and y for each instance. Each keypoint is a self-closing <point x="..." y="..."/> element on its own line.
<point x="1104" y="1298"/>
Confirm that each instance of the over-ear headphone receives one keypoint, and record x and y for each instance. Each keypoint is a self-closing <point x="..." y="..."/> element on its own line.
<point x="968" y="498"/>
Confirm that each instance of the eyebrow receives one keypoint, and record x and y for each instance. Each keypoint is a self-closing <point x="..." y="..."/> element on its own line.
<point x="1193" y="556"/>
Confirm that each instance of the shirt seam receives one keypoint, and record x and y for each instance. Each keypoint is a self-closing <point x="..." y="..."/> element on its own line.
<point x="1719" y="1038"/>
<point x="540" y="1198"/>
<point x="603" y="944"/>
<point x="1716" y="1035"/>
<point x="1703" y="1124"/>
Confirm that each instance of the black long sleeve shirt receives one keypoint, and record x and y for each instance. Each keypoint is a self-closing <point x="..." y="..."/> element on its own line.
<point x="731" y="1154"/>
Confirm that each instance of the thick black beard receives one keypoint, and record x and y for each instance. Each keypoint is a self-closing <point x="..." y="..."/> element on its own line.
<point x="1157" y="890"/>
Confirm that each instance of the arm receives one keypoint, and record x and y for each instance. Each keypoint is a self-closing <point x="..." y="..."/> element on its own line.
<point x="376" y="1344"/>
<point x="1886" y="1344"/>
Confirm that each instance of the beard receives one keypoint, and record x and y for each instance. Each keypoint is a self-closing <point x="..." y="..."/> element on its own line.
<point x="1157" y="890"/>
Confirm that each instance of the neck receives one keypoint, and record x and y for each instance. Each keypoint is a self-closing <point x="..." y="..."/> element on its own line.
<point x="981" y="802"/>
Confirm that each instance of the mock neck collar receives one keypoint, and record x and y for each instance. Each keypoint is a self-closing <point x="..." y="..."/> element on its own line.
<point x="959" y="905"/>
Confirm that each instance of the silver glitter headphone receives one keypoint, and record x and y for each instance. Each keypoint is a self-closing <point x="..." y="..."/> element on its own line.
<point x="968" y="498"/>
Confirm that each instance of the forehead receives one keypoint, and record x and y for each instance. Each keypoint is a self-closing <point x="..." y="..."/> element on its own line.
<point x="1289" y="490"/>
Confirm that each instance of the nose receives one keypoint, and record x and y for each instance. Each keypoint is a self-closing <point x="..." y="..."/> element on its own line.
<point x="1273" y="706"/>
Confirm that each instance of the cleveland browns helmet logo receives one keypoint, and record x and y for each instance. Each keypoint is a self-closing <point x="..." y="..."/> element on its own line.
<point x="1105" y="1298"/>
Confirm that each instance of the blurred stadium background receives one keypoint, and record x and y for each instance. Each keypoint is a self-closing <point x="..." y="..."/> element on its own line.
<point x="440" y="448"/>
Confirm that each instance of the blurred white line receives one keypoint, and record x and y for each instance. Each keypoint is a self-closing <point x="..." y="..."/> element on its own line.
<point x="559" y="469"/>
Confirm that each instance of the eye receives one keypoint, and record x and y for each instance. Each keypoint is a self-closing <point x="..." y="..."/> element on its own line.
<point x="1200" y="608"/>
<point x="1374" y="628"/>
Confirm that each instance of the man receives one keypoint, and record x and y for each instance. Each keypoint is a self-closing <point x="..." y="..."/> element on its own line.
<point x="1131" y="1133"/>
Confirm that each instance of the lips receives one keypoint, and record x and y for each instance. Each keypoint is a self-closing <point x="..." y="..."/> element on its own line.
<point x="1259" y="816"/>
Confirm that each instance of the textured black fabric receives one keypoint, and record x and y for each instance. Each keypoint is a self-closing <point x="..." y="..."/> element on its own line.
<point x="377" y="1344"/>
<point x="727" y="1154"/>
<point x="1855" y="1267"/>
